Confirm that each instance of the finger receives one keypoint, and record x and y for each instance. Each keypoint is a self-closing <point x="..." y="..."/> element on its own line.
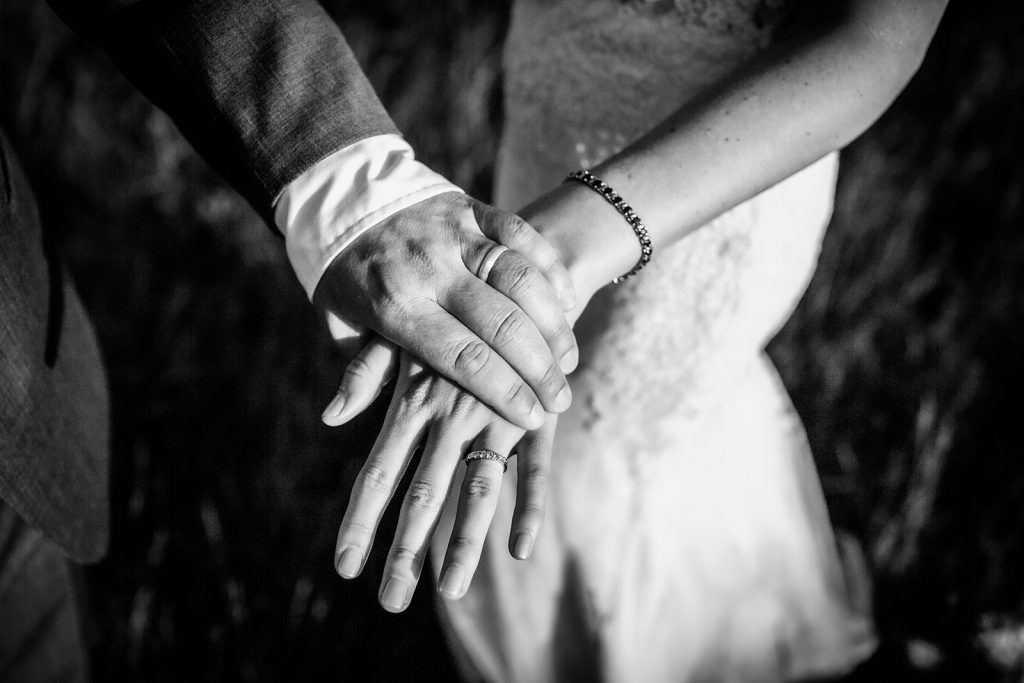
<point x="402" y="431"/>
<point x="365" y="376"/>
<point x="509" y="331"/>
<point x="478" y="500"/>
<point x="517" y="279"/>
<point x="533" y="462"/>
<point x="421" y="510"/>
<point x="515" y="233"/>
<point x="447" y="346"/>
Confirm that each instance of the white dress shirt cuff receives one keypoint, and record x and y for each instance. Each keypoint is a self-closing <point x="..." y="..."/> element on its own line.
<point x="339" y="198"/>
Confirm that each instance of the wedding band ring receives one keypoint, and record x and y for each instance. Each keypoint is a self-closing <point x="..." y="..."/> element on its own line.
<point x="485" y="454"/>
<point x="488" y="263"/>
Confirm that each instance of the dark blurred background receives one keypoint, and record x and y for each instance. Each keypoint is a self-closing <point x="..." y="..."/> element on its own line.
<point x="904" y="358"/>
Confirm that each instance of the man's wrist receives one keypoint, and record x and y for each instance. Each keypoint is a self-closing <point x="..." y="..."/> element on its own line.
<point x="331" y="204"/>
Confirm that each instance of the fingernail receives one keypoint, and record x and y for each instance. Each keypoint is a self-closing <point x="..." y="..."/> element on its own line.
<point x="395" y="595"/>
<point x="537" y="416"/>
<point x="563" y="400"/>
<point x="349" y="562"/>
<point x="570" y="360"/>
<point x="524" y="544"/>
<point x="452" y="579"/>
<point x="334" y="408"/>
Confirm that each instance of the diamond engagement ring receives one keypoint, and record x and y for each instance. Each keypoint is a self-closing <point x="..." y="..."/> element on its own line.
<point x="487" y="455"/>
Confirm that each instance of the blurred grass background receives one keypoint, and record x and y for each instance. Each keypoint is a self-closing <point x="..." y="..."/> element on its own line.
<point x="904" y="358"/>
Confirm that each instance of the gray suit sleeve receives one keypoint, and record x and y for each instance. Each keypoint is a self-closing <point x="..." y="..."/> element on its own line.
<point x="262" y="88"/>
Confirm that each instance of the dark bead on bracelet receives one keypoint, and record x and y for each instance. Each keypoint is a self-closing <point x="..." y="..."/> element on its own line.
<point x="646" y="248"/>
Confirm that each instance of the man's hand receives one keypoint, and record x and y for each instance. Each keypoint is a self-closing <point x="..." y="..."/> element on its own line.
<point x="414" y="280"/>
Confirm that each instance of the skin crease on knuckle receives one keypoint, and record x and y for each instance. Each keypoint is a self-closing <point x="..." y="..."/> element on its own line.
<point x="461" y="543"/>
<point x="445" y="404"/>
<point x="530" y="515"/>
<point x="418" y="393"/>
<point x="357" y="369"/>
<point x="479" y="487"/>
<point x="470" y="357"/>
<point x="535" y="476"/>
<point x="552" y="377"/>
<point x="422" y="495"/>
<point x="465" y="408"/>
<point x="521" y="280"/>
<point x="375" y="478"/>
<point x="515" y="392"/>
<point x="509" y="329"/>
<point x="401" y="554"/>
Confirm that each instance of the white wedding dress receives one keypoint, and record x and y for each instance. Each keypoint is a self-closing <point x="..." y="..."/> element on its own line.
<point x="686" y="537"/>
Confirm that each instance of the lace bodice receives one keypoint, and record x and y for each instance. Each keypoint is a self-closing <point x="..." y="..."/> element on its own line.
<point x="583" y="79"/>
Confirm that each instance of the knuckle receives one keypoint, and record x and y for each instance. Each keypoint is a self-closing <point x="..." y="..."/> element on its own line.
<point x="422" y="494"/>
<point x="357" y="369"/>
<point x="471" y="357"/>
<point x="388" y="305"/>
<point x="380" y="282"/>
<point x="479" y="487"/>
<point x="421" y="256"/>
<point x="532" y="510"/>
<point x="465" y="405"/>
<point x="552" y="377"/>
<point x="535" y="476"/>
<point x="461" y="542"/>
<point x="520" y="278"/>
<point x="515" y="392"/>
<point x="404" y="555"/>
<point x="375" y="478"/>
<point x="419" y="392"/>
<point x="509" y="328"/>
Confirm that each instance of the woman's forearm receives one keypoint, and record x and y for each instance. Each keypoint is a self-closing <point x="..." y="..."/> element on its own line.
<point x="802" y="99"/>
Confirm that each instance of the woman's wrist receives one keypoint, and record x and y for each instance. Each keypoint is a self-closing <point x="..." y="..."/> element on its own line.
<point x="592" y="240"/>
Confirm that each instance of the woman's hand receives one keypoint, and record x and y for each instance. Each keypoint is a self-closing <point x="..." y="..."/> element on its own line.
<point x="429" y="410"/>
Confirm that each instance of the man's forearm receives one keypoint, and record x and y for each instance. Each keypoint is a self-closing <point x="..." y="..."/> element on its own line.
<point x="263" y="89"/>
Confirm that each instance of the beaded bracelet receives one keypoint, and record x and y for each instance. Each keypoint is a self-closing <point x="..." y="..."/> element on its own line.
<point x="612" y="197"/>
